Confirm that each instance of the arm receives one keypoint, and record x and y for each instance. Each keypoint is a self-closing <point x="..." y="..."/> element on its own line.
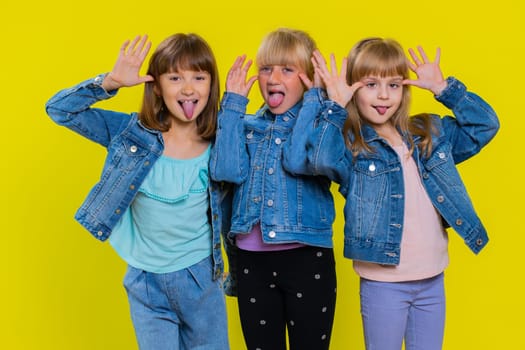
<point x="72" y="107"/>
<point x="320" y="133"/>
<point x="474" y="123"/>
<point x="229" y="157"/>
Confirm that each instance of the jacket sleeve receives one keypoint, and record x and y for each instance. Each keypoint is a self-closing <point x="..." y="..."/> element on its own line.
<point x="320" y="137"/>
<point x="474" y="123"/>
<point x="72" y="108"/>
<point x="229" y="157"/>
<point x="295" y="157"/>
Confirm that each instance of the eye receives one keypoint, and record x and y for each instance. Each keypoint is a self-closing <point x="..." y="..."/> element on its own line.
<point x="394" y="85"/>
<point x="174" y="78"/>
<point x="202" y="77"/>
<point x="264" y="69"/>
<point x="371" y="84"/>
<point x="288" y="70"/>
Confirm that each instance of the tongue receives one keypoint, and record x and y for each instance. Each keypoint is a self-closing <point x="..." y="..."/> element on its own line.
<point x="381" y="110"/>
<point x="188" y="107"/>
<point x="275" y="99"/>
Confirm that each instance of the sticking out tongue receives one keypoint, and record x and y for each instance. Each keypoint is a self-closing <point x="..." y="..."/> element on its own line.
<point x="275" y="99"/>
<point x="381" y="110"/>
<point x="188" y="107"/>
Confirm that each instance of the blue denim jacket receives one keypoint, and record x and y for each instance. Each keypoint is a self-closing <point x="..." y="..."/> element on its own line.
<point x="132" y="151"/>
<point x="248" y="153"/>
<point x="372" y="183"/>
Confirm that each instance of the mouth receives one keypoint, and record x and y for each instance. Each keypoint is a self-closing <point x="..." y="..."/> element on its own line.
<point x="381" y="109"/>
<point x="275" y="98"/>
<point x="188" y="106"/>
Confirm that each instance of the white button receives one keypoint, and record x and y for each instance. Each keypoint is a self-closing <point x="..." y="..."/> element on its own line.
<point x="330" y="111"/>
<point x="272" y="234"/>
<point x="249" y="136"/>
<point x="278" y="141"/>
<point x="372" y="167"/>
<point x="286" y="119"/>
<point x="100" y="233"/>
<point x="133" y="149"/>
<point x="270" y="202"/>
<point x="270" y="171"/>
<point x="440" y="199"/>
<point x="441" y="155"/>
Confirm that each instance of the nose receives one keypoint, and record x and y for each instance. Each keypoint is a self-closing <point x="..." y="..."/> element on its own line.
<point x="382" y="93"/>
<point x="275" y="76"/>
<point x="187" y="89"/>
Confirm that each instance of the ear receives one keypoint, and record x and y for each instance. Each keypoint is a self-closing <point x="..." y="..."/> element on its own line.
<point x="156" y="90"/>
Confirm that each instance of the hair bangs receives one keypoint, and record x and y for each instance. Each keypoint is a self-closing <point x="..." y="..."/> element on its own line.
<point x="381" y="58"/>
<point x="287" y="47"/>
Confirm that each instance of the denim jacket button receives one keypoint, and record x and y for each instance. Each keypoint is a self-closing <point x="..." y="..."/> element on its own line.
<point x="270" y="171"/>
<point x="441" y="155"/>
<point x="133" y="149"/>
<point x="250" y="135"/>
<point x="286" y="118"/>
<point x="278" y="141"/>
<point x="459" y="222"/>
<point x="272" y="234"/>
<point x="372" y="167"/>
<point x="270" y="202"/>
<point x="479" y="241"/>
<point x="100" y="233"/>
<point x="440" y="199"/>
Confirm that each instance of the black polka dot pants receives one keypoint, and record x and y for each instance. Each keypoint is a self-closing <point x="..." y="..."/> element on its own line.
<point x="293" y="290"/>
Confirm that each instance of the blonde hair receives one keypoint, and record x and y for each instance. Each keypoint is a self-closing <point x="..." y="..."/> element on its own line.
<point x="383" y="58"/>
<point x="181" y="52"/>
<point x="287" y="47"/>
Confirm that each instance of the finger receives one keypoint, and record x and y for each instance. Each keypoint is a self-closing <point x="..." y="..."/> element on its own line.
<point x="133" y="44"/>
<point x="124" y="46"/>
<point x="414" y="56"/>
<point x="144" y="52"/>
<point x="344" y="67"/>
<point x="250" y="83"/>
<point x="306" y="81"/>
<point x="412" y="66"/>
<point x="247" y="66"/>
<point x="438" y="56"/>
<point x="423" y="54"/>
<point x="333" y="64"/>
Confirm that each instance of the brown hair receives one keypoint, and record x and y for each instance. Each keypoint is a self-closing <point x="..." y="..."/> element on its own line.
<point x="181" y="52"/>
<point x="383" y="58"/>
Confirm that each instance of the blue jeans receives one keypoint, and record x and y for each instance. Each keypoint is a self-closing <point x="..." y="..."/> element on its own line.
<point x="413" y="311"/>
<point x="179" y="310"/>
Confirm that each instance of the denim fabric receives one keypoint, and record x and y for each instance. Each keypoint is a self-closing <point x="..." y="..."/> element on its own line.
<point x="372" y="183"/>
<point x="412" y="311"/>
<point x="248" y="153"/>
<point x="182" y="310"/>
<point x="132" y="150"/>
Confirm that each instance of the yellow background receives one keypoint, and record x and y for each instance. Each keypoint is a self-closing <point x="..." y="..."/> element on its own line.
<point x="61" y="288"/>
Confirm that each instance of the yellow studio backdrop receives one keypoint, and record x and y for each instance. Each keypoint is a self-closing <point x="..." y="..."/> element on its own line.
<point x="62" y="289"/>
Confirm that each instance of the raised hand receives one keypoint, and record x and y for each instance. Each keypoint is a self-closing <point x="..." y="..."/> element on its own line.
<point x="126" y="71"/>
<point x="236" y="80"/>
<point x="335" y="81"/>
<point x="429" y="75"/>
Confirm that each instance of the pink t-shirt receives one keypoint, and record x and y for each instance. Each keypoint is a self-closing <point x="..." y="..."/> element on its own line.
<point x="424" y="242"/>
<point x="253" y="242"/>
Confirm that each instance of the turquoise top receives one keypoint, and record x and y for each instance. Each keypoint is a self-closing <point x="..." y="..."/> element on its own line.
<point x="166" y="228"/>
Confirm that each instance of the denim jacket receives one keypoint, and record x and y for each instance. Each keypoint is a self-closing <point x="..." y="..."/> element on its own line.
<point x="248" y="153"/>
<point x="372" y="183"/>
<point x="132" y="151"/>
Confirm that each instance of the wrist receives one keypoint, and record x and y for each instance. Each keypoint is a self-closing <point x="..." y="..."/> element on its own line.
<point x="110" y="84"/>
<point x="438" y="89"/>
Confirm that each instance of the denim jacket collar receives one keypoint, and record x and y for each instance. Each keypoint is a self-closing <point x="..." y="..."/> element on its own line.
<point x="291" y="113"/>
